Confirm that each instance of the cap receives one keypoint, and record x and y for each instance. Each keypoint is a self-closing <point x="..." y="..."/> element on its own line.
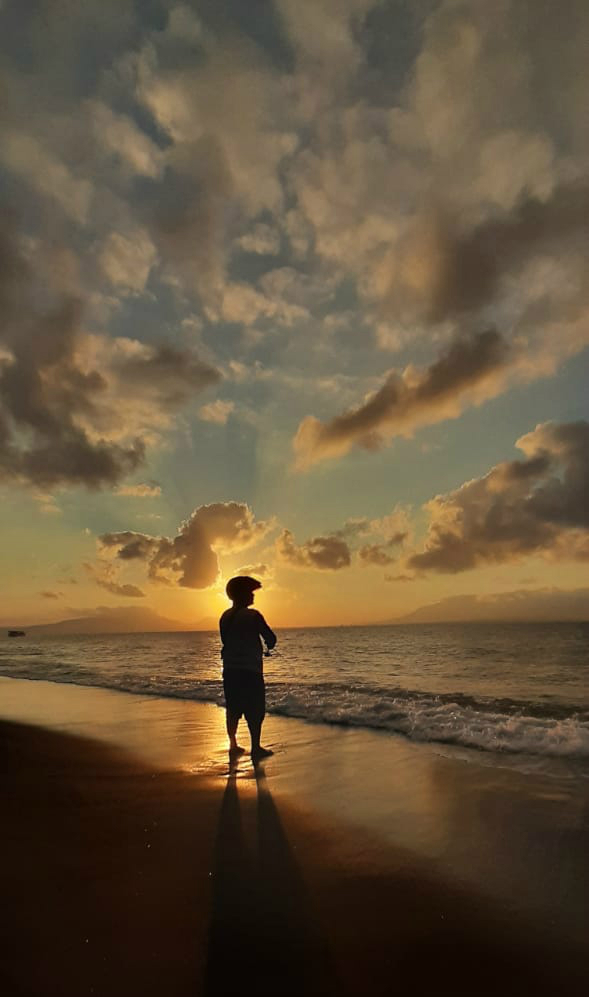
<point x="240" y="586"/>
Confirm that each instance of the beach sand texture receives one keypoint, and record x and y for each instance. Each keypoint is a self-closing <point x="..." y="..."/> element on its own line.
<point x="134" y="862"/>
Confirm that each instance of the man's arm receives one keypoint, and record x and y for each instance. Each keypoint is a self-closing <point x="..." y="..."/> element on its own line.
<point x="268" y="635"/>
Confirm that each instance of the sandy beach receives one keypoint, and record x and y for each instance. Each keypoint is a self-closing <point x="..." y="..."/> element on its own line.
<point x="134" y="861"/>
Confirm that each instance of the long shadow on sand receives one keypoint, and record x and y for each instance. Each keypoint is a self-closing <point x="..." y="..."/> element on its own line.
<point x="263" y="938"/>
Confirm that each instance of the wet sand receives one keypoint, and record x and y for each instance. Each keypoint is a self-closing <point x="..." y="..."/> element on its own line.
<point x="136" y="862"/>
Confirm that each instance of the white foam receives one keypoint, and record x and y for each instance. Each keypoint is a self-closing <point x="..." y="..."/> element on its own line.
<point x="423" y="718"/>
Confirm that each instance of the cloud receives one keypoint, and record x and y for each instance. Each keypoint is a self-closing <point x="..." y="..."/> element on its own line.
<point x="323" y="36"/>
<point x="217" y="412"/>
<point x="316" y="30"/>
<point x="261" y="239"/>
<point x="526" y="73"/>
<point x="131" y="591"/>
<point x="427" y="197"/>
<point x="336" y="549"/>
<point x="129" y="545"/>
<point x="43" y="392"/>
<point x="169" y="374"/>
<point x="393" y="530"/>
<point x="255" y="570"/>
<point x="126" y="260"/>
<point x="46" y="503"/>
<point x="26" y="156"/>
<point x="384" y="553"/>
<point x="106" y="576"/>
<point x="75" y="409"/>
<point x="443" y="271"/>
<point x="141" y="490"/>
<point x="245" y="304"/>
<point x="144" y="385"/>
<point x="537" y="505"/>
<point x="283" y="295"/>
<point x="187" y="216"/>
<point x="458" y="200"/>
<point x="470" y="371"/>
<point x="190" y="559"/>
<point x="50" y="595"/>
<point x="226" y="120"/>
<point x="118" y="137"/>
<point x="326" y="553"/>
<point x="231" y="100"/>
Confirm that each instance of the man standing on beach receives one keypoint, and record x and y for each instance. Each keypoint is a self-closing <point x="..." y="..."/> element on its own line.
<point x="243" y="673"/>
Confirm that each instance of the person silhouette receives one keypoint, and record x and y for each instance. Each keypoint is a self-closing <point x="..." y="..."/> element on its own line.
<point x="243" y="671"/>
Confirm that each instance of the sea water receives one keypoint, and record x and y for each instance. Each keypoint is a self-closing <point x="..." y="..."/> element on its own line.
<point x="515" y="689"/>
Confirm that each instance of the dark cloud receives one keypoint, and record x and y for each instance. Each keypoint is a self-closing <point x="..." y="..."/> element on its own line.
<point x="382" y="553"/>
<point x="327" y="553"/>
<point x="68" y="45"/>
<point x="130" y="591"/>
<point x="172" y="374"/>
<point x="462" y="270"/>
<point x="50" y="595"/>
<point x="42" y="389"/>
<point x="469" y="366"/>
<point x="519" y="508"/>
<point x="57" y="425"/>
<point x="131" y="546"/>
<point x="188" y="216"/>
<point x="106" y="576"/>
<point x="190" y="558"/>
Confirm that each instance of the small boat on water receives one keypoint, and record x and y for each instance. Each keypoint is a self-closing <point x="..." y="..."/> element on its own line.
<point x="16" y="633"/>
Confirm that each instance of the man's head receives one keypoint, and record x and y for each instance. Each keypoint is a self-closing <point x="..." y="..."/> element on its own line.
<point x="241" y="588"/>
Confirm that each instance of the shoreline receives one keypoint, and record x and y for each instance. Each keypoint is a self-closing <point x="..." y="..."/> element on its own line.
<point x="532" y="761"/>
<point x="383" y="871"/>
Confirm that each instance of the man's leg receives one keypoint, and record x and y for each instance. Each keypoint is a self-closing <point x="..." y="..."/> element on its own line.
<point x="255" y="729"/>
<point x="233" y="709"/>
<point x="232" y="720"/>
<point x="255" y="718"/>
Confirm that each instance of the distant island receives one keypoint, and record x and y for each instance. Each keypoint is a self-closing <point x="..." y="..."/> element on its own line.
<point x="521" y="606"/>
<point x="120" y="620"/>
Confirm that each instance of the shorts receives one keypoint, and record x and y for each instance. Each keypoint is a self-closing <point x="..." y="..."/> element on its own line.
<point x="245" y="694"/>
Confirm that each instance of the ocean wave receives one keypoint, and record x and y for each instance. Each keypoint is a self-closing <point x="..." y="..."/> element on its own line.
<point x="485" y="724"/>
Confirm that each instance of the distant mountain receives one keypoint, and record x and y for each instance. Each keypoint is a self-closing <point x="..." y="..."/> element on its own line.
<point x="108" y="620"/>
<point x="521" y="606"/>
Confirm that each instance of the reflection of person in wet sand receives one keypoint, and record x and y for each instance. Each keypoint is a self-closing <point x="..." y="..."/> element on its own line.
<point x="243" y="673"/>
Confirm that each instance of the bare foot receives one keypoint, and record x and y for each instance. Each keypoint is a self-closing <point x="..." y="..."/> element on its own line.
<point x="236" y="749"/>
<point x="259" y="753"/>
